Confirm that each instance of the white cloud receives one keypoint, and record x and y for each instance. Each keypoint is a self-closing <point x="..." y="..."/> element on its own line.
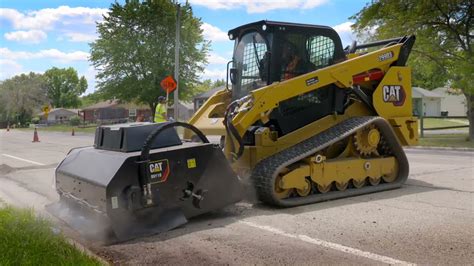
<point x="76" y="23"/>
<point x="217" y="59"/>
<point x="259" y="6"/>
<point x="81" y="37"/>
<point x="213" y="33"/>
<point x="214" y="74"/>
<point x="48" y="54"/>
<point x="91" y="82"/>
<point x="345" y="32"/>
<point x="31" y="36"/>
<point x="48" y="17"/>
<point x="9" y="68"/>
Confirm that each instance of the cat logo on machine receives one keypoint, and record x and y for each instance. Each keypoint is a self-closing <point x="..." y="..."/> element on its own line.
<point x="159" y="170"/>
<point x="394" y="94"/>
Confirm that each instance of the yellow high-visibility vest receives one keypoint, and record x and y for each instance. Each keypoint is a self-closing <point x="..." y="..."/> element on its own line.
<point x="159" y="113"/>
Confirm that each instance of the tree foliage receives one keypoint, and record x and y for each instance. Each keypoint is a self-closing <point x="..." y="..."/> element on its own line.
<point x="444" y="31"/>
<point x="21" y="97"/>
<point x="64" y="87"/>
<point x="91" y="99"/>
<point x="443" y="52"/>
<point x="207" y="85"/>
<point x="135" y="50"/>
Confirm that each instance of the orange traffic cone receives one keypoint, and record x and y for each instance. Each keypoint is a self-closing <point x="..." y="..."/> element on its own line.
<point x="35" y="136"/>
<point x="72" y="133"/>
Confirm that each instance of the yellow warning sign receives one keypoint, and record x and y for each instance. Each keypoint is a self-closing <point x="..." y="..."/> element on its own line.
<point x="192" y="163"/>
<point x="46" y="110"/>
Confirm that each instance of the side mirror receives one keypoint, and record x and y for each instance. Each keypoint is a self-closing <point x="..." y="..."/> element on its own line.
<point x="227" y="76"/>
<point x="233" y="75"/>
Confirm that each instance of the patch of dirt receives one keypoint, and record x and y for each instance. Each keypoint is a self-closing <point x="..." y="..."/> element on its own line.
<point x="113" y="257"/>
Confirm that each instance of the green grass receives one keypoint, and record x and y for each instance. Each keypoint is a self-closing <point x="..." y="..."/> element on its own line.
<point x="65" y="128"/>
<point x="452" y="140"/>
<point x="28" y="240"/>
<point x="440" y="122"/>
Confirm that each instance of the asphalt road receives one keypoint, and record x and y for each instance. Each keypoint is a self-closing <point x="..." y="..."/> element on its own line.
<point x="430" y="220"/>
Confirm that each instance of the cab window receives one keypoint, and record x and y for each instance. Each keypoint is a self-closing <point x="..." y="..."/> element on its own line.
<point x="320" y="51"/>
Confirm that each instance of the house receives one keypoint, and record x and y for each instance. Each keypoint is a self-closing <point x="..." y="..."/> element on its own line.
<point x="185" y="110"/>
<point x="59" y="115"/>
<point x="201" y="98"/>
<point x="426" y="102"/>
<point x="137" y="111"/>
<point x="106" y="110"/>
<point x="114" y="111"/>
<point x="453" y="101"/>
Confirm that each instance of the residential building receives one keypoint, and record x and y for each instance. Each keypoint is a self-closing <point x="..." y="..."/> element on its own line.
<point x="453" y="101"/>
<point x="113" y="111"/>
<point x="58" y="115"/>
<point x="426" y="102"/>
<point x="201" y="98"/>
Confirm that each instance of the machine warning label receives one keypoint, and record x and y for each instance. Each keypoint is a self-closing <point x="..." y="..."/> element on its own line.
<point x="385" y="56"/>
<point x="312" y="81"/>
<point x="114" y="201"/>
<point x="159" y="170"/>
<point x="192" y="163"/>
<point x="394" y="94"/>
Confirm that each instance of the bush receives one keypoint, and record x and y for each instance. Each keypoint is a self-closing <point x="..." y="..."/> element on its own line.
<point x="35" y="120"/>
<point x="75" y="120"/>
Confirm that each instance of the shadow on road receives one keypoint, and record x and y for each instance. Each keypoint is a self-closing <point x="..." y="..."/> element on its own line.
<point x="253" y="208"/>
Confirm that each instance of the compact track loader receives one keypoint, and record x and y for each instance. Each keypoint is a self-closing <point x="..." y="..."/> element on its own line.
<point x="303" y="121"/>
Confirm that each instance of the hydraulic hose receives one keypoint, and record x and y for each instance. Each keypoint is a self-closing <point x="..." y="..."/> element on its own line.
<point x="232" y="131"/>
<point x="144" y="177"/>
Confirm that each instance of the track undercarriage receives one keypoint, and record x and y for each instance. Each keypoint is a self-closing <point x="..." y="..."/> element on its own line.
<point x="358" y="156"/>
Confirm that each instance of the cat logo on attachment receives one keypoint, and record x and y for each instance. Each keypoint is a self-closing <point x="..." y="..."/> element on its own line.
<point x="394" y="94"/>
<point x="159" y="171"/>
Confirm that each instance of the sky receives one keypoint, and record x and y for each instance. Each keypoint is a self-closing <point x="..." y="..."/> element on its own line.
<point x="37" y="35"/>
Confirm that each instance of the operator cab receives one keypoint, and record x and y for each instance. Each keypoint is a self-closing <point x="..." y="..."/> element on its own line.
<point x="269" y="51"/>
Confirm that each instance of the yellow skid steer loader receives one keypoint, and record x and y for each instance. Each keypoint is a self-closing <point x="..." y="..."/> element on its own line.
<point x="303" y="121"/>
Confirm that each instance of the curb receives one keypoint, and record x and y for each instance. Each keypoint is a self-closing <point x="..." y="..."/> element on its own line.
<point x="85" y="250"/>
<point x="439" y="148"/>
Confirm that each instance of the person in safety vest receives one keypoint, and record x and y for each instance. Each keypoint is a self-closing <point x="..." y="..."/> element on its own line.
<point x="160" y="110"/>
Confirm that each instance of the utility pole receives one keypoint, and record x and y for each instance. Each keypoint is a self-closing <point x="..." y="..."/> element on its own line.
<point x="176" y="61"/>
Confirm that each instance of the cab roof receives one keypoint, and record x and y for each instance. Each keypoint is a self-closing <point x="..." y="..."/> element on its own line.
<point x="236" y="32"/>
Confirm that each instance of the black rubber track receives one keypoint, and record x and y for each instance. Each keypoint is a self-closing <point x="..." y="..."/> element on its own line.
<point x="264" y="174"/>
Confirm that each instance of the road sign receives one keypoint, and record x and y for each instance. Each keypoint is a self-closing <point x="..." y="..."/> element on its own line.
<point x="46" y="110"/>
<point x="168" y="84"/>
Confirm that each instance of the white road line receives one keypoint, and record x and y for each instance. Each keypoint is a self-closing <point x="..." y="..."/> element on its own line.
<point x="21" y="159"/>
<point x="330" y="245"/>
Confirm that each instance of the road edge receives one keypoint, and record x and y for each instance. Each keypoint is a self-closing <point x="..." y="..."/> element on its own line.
<point x="85" y="250"/>
<point x="464" y="149"/>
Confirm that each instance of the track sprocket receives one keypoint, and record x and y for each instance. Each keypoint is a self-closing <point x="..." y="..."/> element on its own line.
<point x="366" y="140"/>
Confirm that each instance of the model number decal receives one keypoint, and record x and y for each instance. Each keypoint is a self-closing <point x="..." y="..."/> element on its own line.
<point x="393" y="94"/>
<point x="385" y="56"/>
<point x="159" y="170"/>
<point x="312" y="81"/>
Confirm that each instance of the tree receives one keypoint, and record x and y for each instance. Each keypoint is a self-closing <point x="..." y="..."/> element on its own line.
<point x="64" y="87"/>
<point x="135" y="50"/>
<point x="443" y="52"/>
<point x="207" y="85"/>
<point x="21" y="96"/>
<point x="90" y="99"/>
<point x="218" y="83"/>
